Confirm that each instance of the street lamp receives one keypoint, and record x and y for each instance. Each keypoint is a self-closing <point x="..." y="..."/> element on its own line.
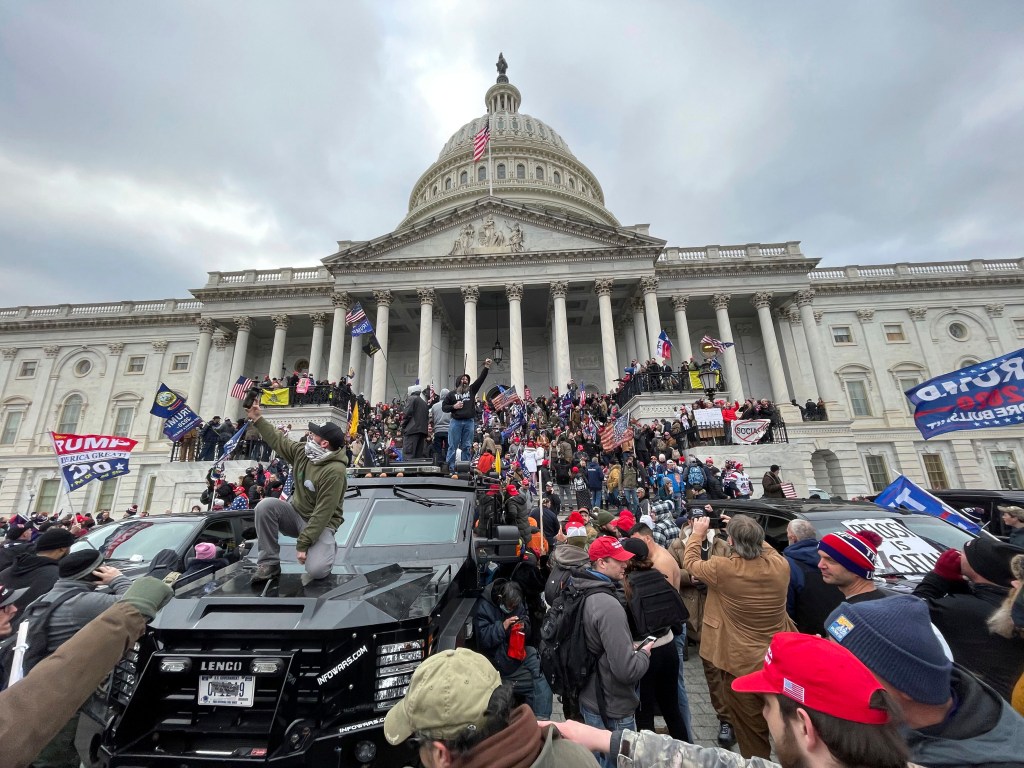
<point x="497" y="352"/>
<point x="708" y="379"/>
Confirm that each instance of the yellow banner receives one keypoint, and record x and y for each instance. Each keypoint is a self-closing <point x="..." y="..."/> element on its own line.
<point x="695" y="380"/>
<point x="353" y="424"/>
<point x="274" y="397"/>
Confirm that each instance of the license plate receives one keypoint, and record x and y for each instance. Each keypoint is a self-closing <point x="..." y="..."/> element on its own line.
<point x="227" y="690"/>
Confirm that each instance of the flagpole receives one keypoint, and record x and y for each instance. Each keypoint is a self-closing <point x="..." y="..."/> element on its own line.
<point x="63" y="480"/>
<point x="490" y="170"/>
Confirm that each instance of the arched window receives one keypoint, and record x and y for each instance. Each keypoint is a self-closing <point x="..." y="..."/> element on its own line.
<point x="463" y="178"/>
<point x="572" y="184"/>
<point x="557" y="177"/>
<point x="447" y="184"/>
<point x="539" y="174"/>
<point x="481" y="173"/>
<point x="520" y="171"/>
<point x="70" y="414"/>
<point x="433" y="192"/>
<point x="500" y="174"/>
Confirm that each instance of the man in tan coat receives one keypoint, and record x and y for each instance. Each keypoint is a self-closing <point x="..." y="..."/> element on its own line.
<point x="746" y="606"/>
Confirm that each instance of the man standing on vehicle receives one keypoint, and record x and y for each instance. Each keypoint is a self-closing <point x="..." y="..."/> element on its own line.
<point x="461" y="404"/>
<point x="314" y="511"/>
<point x="847" y="561"/>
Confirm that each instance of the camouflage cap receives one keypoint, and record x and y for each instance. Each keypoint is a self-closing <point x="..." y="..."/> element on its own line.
<point x="448" y="693"/>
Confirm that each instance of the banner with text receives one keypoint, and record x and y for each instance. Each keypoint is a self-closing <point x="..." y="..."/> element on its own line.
<point x="708" y="418"/>
<point x="749" y="431"/>
<point x="83" y="458"/>
<point x="901" y="550"/>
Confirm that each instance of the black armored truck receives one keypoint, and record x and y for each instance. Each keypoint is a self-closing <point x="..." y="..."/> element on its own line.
<point x="300" y="672"/>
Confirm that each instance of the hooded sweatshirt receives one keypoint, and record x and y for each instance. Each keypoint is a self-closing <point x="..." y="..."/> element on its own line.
<point x="564" y="557"/>
<point x="437" y="413"/>
<point x="809" y="600"/>
<point x="30" y="570"/>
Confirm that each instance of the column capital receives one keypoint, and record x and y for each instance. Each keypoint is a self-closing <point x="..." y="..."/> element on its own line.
<point x="804" y="297"/>
<point x="995" y="309"/>
<point x="426" y="295"/>
<point x="603" y="287"/>
<point x="470" y="293"/>
<point x="384" y="297"/>
<point x="559" y="289"/>
<point x="223" y="340"/>
<point x="627" y="321"/>
<point x="51" y="350"/>
<point x="243" y="323"/>
<point x="679" y="302"/>
<point x="919" y="313"/>
<point x="205" y="324"/>
<point x="438" y="314"/>
<point x="793" y="315"/>
<point x="342" y="299"/>
<point x="866" y="315"/>
<point x="115" y="349"/>
<point x="649" y="285"/>
<point x="319" y="319"/>
<point x="636" y="305"/>
<point x="720" y="300"/>
<point x="514" y="291"/>
<point x="280" y="321"/>
<point x="762" y="299"/>
<point x="9" y="352"/>
<point x="160" y="345"/>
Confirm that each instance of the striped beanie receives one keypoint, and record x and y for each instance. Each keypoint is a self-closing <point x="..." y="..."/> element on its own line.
<point x="854" y="551"/>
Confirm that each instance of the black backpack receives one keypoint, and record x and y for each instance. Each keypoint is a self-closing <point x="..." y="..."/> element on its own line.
<point x="562" y="472"/>
<point x="38" y="616"/>
<point x="565" y="660"/>
<point x="654" y="604"/>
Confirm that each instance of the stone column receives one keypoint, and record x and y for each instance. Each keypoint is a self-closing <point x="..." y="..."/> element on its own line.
<point x="762" y="301"/>
<point x="629" y="338"/>
<point x="649" y="285"/>
<point x="720" y="301"/>
<point x="682" y="329"/>
<point x="563" y="373"/>
<point x="643" y="353"/>
<point x="819" y="363"/>
<point x="514" y="294"/>
<point x="378" y="392"/>
<point x="277" y="351"/>
<point x="426" y="358"/>
<point x="437" y="359"/>
<point x="339" y="332"/>
<point x="316" y="352"/>
<point x="199" y="364"/>
<point x="470" y="295"/>
<point x="603" y="288"/>
<point x="233" y="407"/>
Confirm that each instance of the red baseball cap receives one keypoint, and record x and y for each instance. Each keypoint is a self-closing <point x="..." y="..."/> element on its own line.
<point x="608" y="546"/>
<point x="819" y="674"/>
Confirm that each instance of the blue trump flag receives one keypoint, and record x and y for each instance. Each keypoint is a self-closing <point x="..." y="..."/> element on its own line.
<point x="903" y="493"/>
<point x="230" y="445"/>
<point x="180" y="423"/>
<point x="988" y="394"/>
<point x="167" y="402"/>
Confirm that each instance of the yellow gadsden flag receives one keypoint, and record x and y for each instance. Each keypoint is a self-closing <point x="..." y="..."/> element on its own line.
<point x="274" y="396"/>
<point x="353" y="424"/>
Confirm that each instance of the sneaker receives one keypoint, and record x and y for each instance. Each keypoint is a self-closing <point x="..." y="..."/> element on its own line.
<point x="266" y="572"/>
<point x="726" y="737"/>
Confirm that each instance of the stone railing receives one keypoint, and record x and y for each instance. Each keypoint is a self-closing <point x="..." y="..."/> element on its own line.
<point x="60" y="311"/>
<point x="286" y="275"/>
<point x="910" y="270"/>
<point x="722" y="252"/>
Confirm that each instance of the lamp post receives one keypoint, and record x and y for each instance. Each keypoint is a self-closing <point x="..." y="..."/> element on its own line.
<point x="708" y="379"/>
<point x="497" y="352"/>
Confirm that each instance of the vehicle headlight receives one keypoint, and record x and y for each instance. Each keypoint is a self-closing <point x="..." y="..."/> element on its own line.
<point x="395" y="664"/>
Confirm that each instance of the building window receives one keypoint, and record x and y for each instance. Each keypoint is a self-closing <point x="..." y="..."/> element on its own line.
<point x="47" y="498"/>
<point x="878" y="473"/>
<point x="433" y="191"/>
<point x="539" y="173"/>
<point x="557" y="178"/>
<point x="500" y="173"/>
<point x="28" y="369"/>
<point x="894" y="332"/>
<point x="520" y="171"/>
<point x="857" y="390"/>
<point x="463" y="178"/>
<point x="936" y="473"/>
<point x="904" y="383"/>
<point x="136" y="364"/>
<point x="967" y="362"/>
<point x="481" y="173"/>
<point x="12" y="424"/>
<point x="1018" y="327"/>
<point x="123" y="417"/>
<point x="83" y="367"/>
<point x="180" y="363"/>
<point x="958" y="331"/>
<point x="572" y="184"/>
<point x="841" y="334"/>
<point x="1007" y="471"/>
<point x="70" y="415"/>
<point x="108" y="490"/>
<point x="447" y="184"/>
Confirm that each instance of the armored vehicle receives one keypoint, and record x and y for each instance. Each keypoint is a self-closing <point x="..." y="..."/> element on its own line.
<point x="300" y="672"/>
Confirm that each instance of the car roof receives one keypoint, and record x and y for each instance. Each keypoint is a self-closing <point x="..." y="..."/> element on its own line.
<point x="967" y="494"/>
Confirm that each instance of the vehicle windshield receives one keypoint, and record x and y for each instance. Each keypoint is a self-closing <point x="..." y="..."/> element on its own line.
<point x="137" y="541"/>
<point x="394" y="522"/>
<point x="353" y="513"/>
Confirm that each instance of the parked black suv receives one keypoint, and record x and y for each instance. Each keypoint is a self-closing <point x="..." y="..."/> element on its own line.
<point x="983" y="504"/>
<point x="296" y="672"/>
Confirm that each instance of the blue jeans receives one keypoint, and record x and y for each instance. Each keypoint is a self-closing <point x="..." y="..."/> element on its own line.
<point x="540" y="701"/>
<point x="684" y="700"/>
<point x="631" y="498"/>
<point x="460" y="436"/>
<point x="597" y="497"/>
<point x="594" y="719"/>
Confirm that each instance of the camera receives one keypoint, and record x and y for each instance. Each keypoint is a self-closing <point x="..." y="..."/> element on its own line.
<point x="251" y="396"/>
<point x="714" y="516"/>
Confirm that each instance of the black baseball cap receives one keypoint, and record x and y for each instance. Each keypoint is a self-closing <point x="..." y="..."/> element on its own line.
<point x="332" y="433"/>
<point x="8" y="596"/>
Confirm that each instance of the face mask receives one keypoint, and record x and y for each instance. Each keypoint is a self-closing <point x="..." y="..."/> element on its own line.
<point x="314" y="451"/>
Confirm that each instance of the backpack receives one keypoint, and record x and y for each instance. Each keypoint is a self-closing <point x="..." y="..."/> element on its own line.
<point x="562" y="474"/>
<point x="654" y="604"/>
<point x="696" y="478"/>
<point x="37" y="615"/>
<point x="565" y="660"/>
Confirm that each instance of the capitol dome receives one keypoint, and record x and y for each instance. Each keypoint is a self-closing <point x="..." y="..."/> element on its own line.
<point x="530" y="162"/>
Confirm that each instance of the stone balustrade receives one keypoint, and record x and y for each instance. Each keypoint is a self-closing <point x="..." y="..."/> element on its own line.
<point x="978" y="267"/>
<point x="717" y="252"/>
<point x="59" y="311"/>
<point x="288" y="275"/>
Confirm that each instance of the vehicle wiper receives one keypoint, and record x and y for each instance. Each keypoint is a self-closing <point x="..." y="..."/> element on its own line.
<point x="353" y="493"/>
<point x="402" y="493"/>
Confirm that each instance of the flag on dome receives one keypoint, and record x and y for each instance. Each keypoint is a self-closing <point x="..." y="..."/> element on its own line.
<point x="480" y="141"/>
<point x="718" y="344"/>
<point x="615" y="433"/>
<point x="663" y="348"/>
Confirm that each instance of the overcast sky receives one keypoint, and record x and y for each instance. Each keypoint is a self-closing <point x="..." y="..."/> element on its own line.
<point x="145" y="143"/>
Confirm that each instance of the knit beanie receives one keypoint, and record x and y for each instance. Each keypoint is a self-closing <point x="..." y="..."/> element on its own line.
<point x="576" y="530"/>
<point x="893" y="637"/>
<point x="205" y="551"/>
<point x="851" y="550"/>
<point x="604" y="517"/>
<point x="80" y="564"/>
<point x="54" y="538"/>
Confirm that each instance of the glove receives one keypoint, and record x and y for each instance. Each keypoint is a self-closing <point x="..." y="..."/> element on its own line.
<point x="948" y="566"/>
<point x="148" y="596"/>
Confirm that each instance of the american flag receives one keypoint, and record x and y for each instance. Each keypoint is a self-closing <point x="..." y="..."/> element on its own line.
<point x="793" y="690"/>
<point x="505" y="397"/>
<point x="615" y="433"/>
<point x="718" y="344"/>
<point x="241" y="387"/>
<point x="480" y="141"/>
<point x="355" y="314"/>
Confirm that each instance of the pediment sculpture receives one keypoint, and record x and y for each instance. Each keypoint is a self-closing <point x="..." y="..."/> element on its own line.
<point x="489" y="237"/>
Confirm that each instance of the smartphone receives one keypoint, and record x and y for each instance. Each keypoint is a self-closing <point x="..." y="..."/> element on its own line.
<point x="646" y="641"/>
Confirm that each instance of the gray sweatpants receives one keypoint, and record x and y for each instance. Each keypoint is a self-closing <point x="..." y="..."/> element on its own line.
<point x="273" y="515"/>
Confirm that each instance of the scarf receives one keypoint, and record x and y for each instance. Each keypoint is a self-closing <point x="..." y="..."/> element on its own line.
<point x="516" y="746"/>
<point x="317" y="454"/>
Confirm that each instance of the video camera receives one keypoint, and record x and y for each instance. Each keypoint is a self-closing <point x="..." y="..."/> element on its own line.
<point x="251" y="396"/>
<point x="715" y="517"/>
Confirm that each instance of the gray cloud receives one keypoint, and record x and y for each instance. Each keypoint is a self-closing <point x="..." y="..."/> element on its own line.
<point x="144" y="144"/>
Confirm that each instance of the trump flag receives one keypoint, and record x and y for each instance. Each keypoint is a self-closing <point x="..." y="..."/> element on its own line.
<point x="901" y="493"/>
<point x="83" y="458"/>
<point x="984" y="395"/>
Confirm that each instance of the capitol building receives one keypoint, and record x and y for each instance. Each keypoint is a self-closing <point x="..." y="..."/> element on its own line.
<point x="519" y="248"/>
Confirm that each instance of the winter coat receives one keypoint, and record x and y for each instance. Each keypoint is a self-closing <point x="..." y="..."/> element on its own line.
<point x="809" y="600"/>
<point x="772" y="486"/>
<point x="417" y="416"/>
<point x="30" y="570"/>
<point x="564" y="558"/>
<point x="467" y="398"/>
<point x="437" y="413"/>
<point x="491" y="637"/>
<point x="73" y="614"/>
